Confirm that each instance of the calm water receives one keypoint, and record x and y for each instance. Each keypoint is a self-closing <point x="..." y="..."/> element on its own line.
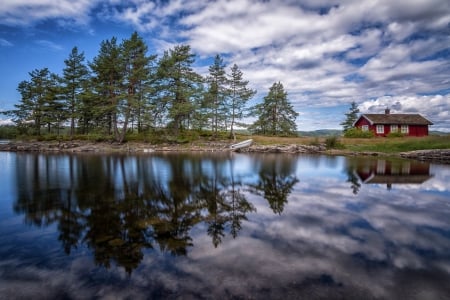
<point x="223" y="226"/>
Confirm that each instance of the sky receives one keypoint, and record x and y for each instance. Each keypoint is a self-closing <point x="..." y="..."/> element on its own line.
<point x="326" y="53"/>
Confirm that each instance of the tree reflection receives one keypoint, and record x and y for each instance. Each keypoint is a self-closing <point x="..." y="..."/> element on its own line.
<point x="352" y="177"/>
<point x="276" y="181"/>
<point x="121" y="206"/>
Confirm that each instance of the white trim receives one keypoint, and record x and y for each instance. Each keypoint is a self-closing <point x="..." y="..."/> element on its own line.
<point x="404" y="129"/>
<point x="363" y="116"/>
<point x="380" y="129"/>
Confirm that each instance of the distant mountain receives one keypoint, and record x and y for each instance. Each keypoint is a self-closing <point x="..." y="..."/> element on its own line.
<point x="321" y="132"/>
<point x="441" y="133"/>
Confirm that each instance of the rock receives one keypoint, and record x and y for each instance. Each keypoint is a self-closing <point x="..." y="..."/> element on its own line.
<point x="435" y="155"/>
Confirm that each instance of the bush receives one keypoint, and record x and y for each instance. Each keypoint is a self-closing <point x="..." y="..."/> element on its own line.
<point x="8" y="132"/>
<point x="333" y="142"/>
<point x="358" y="133"/>
<point x="315" y="142"/>
<point x="395" y="134"/>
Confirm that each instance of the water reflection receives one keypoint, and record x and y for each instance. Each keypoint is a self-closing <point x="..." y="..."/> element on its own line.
<point x="221" y="226"/>
<point x="119" y="205"/>
<point x="386" y="171"/>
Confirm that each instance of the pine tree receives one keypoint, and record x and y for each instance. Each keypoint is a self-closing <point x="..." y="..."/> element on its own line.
<point x="217" y="95"/>
<point x="138" y="74"/>
<point x="276" y="116"/>
<point x="74" y="76"/>
<point x="38" y="104"/>
<point x="350" y="117"/>
<point x="179" y="87"/>
<point x="108" y="80"/>
<point x="240" y="94"/>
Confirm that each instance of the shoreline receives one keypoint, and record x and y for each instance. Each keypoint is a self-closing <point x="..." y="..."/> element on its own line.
<point x="77" y="146"/>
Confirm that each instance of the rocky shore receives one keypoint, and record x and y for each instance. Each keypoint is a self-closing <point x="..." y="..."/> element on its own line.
<point x="436" y="155"/>
<point x="133" y="147"/>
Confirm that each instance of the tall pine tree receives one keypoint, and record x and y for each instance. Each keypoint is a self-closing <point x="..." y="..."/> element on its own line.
<point x="179" y="87"/>
<point x="137" y="74"/>
<point x="350" y="117"/>
<point x="108" y="80"/>
<point x="217" y="95"/>
<point x="75" y="74"/>
<point x="240" y="94"/>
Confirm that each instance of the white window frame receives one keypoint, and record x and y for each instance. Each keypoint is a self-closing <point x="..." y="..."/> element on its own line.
<point x="394" y="128"/>
<point x="365" y="128"/>
<point x="405" y="129"/>
<point x="380" y="128"/>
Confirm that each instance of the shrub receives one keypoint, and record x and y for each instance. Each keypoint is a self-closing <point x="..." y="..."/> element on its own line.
<point x="358" y="133"/>
<point x="8" y="132"/>
<point x="395" y="134"/>
<point x="315" y="142"/>
<point x="333" y="142"/>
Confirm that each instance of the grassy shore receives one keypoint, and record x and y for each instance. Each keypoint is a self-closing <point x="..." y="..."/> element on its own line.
<point x="376" y="144"/>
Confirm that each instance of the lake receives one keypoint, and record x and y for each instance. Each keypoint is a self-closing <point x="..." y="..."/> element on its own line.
<point x="222" y="226"/>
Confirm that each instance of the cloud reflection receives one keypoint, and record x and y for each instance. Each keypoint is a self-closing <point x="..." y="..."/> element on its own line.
<point x="326" y="241"/>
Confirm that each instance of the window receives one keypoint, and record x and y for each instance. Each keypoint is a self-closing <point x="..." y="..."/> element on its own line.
<point x="405" y="129"/>
<point x="394" y="128"/>
<point x="380" y="128"/>
<point x="365" y="128"/>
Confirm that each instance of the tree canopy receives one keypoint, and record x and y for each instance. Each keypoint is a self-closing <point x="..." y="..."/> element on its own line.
<point x="125" y="89"/>
<point x="276" y="115"/>
<point x="350" y="117"/>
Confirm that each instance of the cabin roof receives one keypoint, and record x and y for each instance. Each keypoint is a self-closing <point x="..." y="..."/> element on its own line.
<point x="401" y="119"/>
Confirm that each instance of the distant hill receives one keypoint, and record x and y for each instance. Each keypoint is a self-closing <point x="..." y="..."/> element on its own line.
<point x="441" y="133"/>
<point x="321" y="132"/>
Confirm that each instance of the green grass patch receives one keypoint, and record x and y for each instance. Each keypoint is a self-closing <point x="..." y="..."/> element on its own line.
<point x="392" y="145"/>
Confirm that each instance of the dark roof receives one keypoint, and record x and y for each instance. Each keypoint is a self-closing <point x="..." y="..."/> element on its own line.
<point x="401" y="119"/>
<point x="398" y="178"/>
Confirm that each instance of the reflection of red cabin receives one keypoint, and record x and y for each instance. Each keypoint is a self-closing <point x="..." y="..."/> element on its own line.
<point x="383" y="124"/>
<point x="393" y="172"/>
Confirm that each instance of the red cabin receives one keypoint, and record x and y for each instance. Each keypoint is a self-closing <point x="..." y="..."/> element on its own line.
<point x="383" y="124"/>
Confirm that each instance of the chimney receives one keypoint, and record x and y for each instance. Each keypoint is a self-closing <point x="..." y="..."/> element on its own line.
<point x="387" y="111"/>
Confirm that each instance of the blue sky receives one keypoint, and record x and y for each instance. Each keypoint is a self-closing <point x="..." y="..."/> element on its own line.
<point x="326" y="53"/>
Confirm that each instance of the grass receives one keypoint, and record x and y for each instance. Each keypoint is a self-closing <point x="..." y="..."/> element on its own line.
<point x="376" y="144"/>
<point x="400" y="144"/>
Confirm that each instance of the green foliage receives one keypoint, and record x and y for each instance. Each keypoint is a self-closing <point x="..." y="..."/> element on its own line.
<point x="8" y="132"/>
<point x="395" y="134"/>
<point x="75" y="74"/>
<point x="403" y="145"/>
<point x="215" y="100"/>
<point x="39" y="105"/>
<point x="124" y="87"/>
<point x="358" y="133"/>
<point x="333" y="142"/>
<point x="180" y="88"/>
<point x="240" y="94"/>
<point x="276" y="115"/>
<point x="350" y="117"/>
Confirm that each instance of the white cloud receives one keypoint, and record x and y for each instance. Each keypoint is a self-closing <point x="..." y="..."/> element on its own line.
<point x="5" y="43"/>
<point x="326" y="53"/>
<point x="433" y="107"/>
<point x="49" y="45"/>
<point x="25" y="12"/>
<point x="6" y="122"/>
